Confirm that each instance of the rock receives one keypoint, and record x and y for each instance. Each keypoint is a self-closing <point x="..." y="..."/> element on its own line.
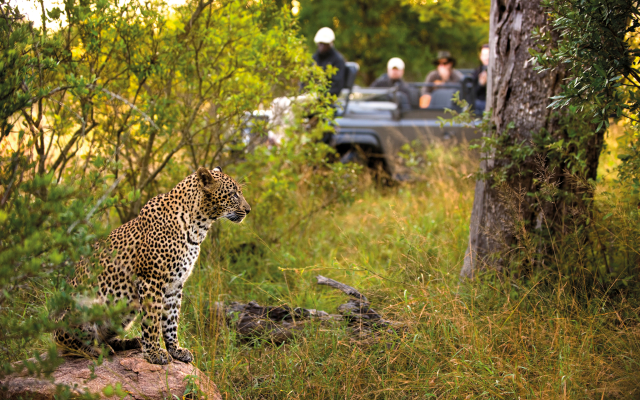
<point x="136" y="377"/>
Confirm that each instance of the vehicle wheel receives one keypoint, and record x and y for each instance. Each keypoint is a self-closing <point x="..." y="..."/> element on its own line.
<point x="354" y="156"/>
<point x="379" y="173"/>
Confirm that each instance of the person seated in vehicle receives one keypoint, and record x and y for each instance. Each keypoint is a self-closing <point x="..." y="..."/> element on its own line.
<point x="443" y="74"/>
<point x="326" y="54"/>
<point x="393" y="78"/>
<point x="480" y="80"/>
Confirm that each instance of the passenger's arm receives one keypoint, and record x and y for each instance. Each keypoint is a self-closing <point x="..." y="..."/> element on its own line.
<point x="431" y="78"/>
<point x="378" y="83"/>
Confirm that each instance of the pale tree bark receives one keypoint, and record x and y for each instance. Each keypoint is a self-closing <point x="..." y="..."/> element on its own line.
<point x="520" y="95"/>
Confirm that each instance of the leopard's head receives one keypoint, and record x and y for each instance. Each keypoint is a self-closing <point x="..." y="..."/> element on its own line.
<point x="222" y="196"/>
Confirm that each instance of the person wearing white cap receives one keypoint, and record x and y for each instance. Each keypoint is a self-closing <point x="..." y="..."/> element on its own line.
<point x="326" y="54"/>
<point x="393" y="77"/>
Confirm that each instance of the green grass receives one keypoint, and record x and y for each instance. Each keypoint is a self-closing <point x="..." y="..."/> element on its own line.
<point x="499" y="337"/>
<point x="403" y="247"/>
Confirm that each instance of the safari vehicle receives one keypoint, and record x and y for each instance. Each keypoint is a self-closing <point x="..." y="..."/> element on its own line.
<point x="371" y="128"/>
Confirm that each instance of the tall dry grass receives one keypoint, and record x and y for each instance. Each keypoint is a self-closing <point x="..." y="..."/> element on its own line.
<point x="496" y="337"/>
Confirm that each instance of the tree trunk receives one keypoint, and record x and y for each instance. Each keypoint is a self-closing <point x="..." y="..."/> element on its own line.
<point x="518" y="95"/>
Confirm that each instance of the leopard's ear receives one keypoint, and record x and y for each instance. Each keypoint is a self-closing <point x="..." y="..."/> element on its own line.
<point x="206" y="179"/>
<point x="218" y="169"/>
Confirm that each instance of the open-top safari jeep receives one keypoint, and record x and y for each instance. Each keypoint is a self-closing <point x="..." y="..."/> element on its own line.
<point x="372" y="127"/>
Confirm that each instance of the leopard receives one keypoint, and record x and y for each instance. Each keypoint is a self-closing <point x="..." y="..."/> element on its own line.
<point x="146" y="262"/>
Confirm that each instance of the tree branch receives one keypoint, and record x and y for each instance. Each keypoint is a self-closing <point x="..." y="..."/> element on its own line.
<point x="95" y="207"/>
<point x="346" y="289"/>
<point x="127" y="102"/>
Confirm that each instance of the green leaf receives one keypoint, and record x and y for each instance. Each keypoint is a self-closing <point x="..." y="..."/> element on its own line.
<point x="108" y="391"/>
<point x="54" y="13"/>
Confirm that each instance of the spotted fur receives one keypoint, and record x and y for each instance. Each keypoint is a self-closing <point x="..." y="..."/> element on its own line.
<point x="148" y="260"/>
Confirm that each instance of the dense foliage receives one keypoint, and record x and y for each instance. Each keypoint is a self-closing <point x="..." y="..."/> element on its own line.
<point x="107" y="104"/>
<point x="597" y="43"/>
<point x="371" y="32"/>
<point x="142" y="85"/>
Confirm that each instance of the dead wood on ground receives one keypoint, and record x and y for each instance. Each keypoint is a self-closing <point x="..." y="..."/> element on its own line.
<point x="277" y="324"/>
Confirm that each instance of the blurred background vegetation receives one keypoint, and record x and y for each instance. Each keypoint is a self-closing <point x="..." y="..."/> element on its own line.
<point x="370" y="32"/>
<point x="105" y="104"/>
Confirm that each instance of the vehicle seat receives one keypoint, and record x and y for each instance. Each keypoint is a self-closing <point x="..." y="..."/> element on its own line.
<point x="414" y="98"/>
<point x="350" y="73"/>
<point x="441" y="98"/>
<point x="351" y="70"/>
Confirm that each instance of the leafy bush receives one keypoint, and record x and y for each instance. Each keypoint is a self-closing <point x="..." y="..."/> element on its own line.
<point x="46" y="231"/>
<point x="118" y="102"/>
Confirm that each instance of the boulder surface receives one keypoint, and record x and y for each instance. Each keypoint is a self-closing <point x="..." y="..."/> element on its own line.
<point x="126" y="372"/>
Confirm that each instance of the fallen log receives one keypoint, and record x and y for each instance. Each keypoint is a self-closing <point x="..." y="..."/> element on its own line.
<point x="277" y="324"/>
<point x="358" y="307"/>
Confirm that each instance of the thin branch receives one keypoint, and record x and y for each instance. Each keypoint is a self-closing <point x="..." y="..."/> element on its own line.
<point x="194" y="17"/>
<point x="54" y="91"/>
<point x="348" y="290"/>
<point x="95" y="207"/>
<point x="127" y="102"/>
<point x="63" y="153"/>
<point x="7" y="192"/>
<point x="161" y="167"/>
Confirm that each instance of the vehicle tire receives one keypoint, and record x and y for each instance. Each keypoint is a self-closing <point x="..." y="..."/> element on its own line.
<point x="379" y="173"/>
<point x="355" y="156"/>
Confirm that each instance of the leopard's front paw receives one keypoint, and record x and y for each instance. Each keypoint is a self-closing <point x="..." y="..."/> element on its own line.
<point x="181" y="354"/>
<point x="157" y="356"/>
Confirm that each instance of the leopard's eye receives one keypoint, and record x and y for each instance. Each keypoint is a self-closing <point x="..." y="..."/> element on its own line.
<point x="235" y="194"/>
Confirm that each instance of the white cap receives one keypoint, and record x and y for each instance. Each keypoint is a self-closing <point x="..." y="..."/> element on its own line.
<point x="325" y="35"/>
<point x="395" y="62"/>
